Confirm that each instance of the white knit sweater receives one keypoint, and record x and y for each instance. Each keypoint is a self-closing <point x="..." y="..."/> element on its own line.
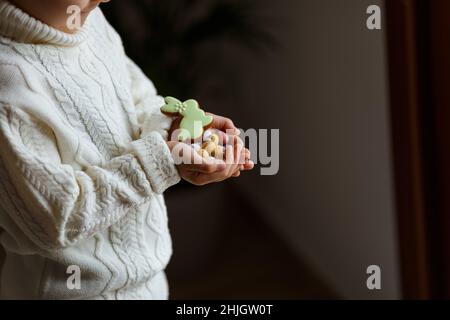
<point x="83" y="164"/>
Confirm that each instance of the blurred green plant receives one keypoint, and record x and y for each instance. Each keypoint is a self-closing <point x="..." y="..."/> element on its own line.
<point x="181" y="44"/>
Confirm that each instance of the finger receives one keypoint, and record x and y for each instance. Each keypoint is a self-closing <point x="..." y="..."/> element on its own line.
<point x="237" y="158"/>
<point x="223" y="137"/>
<point x="229" y="160"/>
<point x="242" y="153"/>
<point x="239" y="141"/>
<point x="185" y="155"/>
<point x="245" y="156"/>
<point x="224" y="124"/>
<point x="207" y="166"/>
<point x="246" y="163"/>
<point x="228" y="157"/>
<point x="232" y="170"/>
<point x="203" y="178"/>
<point x="198" y="179"/>
<point x="249" y="165"/>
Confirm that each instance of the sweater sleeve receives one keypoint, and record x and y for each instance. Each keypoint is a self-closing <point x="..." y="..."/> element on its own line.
<point x="148" y="103"/>
<point x="57" y="205"/>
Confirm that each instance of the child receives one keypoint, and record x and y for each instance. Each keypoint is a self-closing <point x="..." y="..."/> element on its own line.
<point x="84" y="160"/>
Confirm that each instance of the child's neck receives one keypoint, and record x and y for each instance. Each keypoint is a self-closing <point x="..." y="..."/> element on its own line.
<point x="48" y="14"/>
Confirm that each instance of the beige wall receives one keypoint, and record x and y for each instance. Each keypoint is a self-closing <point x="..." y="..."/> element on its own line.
<point x="327" y="92"/>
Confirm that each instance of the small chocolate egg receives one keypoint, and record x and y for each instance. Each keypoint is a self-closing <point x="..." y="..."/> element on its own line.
<point x="209" y="147"/>
<point x="214" y="138"/>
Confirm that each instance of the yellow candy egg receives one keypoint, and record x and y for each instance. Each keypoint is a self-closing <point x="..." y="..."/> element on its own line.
<point x="210" y="147"/>
<point x="214" y="138"/>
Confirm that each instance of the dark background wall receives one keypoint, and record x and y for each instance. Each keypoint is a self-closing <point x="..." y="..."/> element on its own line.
<point x="327" y="91"/>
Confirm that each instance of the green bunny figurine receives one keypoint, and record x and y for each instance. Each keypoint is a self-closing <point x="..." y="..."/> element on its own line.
<point x="194" y="121"/>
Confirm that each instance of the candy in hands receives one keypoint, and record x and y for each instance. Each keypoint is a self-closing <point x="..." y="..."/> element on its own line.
<point x="211" y="148"/>
<point x="214" y="138"/>
<point x="194" y="121"/>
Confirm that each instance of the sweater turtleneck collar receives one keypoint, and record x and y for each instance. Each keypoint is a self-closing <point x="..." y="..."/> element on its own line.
<point x="21" y="27"/>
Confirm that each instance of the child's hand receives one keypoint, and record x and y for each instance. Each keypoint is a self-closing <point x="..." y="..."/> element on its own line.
<point x="200" y="171"/>
<point x="225" y="125"/>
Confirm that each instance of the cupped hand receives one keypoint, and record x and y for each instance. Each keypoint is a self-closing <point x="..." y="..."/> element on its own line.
<point x="202" y="171"/>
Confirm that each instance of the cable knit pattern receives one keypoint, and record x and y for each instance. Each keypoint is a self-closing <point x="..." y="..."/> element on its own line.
<point x="83" y="164"/>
